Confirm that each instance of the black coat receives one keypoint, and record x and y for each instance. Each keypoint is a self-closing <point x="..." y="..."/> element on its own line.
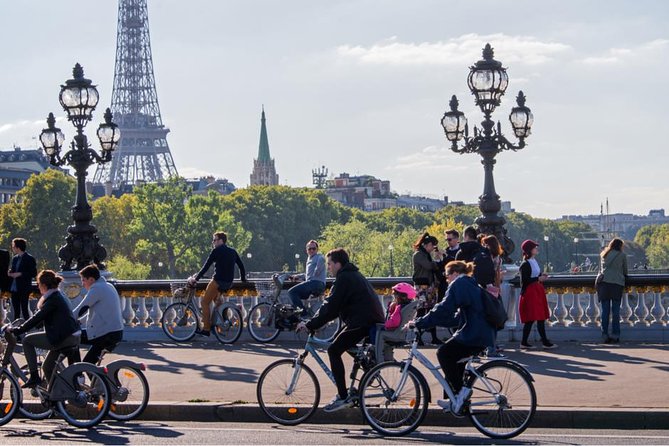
<point x="468" y="251"/>
<point x="352" y="299"/>
<point x="56" y="314"/>
<point x="28" y="270"/>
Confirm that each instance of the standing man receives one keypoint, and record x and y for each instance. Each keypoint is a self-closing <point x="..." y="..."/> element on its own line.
<point x="352" y="299"/>
<point x="225" y="259"/>
<point x="453" y="241"/>
<point x="103" y="328"/>
<point x="314" y="277"/>
<point x="22" y="273"/>
<point x="470" y="246"/>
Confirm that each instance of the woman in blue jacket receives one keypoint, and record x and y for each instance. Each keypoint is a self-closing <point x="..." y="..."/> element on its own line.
<point x="463" y="306"/>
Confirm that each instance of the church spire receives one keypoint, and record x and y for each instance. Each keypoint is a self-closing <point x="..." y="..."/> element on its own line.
<point x="263" y="147"/>
<point x="264" y="172"/>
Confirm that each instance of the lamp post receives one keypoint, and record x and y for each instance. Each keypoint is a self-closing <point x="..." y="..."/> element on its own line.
<point x="576" y="248"/>
<point x="391" y="248"/>
<point x="297" y="262"/>
<point x="547" y="239"/>
<point x="488" y="81"/>
<point x="79" y="97"/>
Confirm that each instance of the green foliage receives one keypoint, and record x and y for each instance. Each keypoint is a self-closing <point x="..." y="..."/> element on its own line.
<point x="112" y="217"/>
<point x="655" y="240"/>
<point x="463" y="215"/>
<point x="40" y="213"/>
<point x="125" y="269"/>
<point x="395" y="219"/>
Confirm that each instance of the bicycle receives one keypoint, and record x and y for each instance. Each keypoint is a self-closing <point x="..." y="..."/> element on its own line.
<point x="79" y="393"/>
<point x="394" y="395"/>
<point x="181" y="319"/>
<point x="10" y="392"/>
<point x="267" y="319"/>
<point x="289" y="392"/>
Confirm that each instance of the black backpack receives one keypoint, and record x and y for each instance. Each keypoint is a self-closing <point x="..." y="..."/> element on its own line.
<point x="484" y="268"/>
<point x="495" y="314"/>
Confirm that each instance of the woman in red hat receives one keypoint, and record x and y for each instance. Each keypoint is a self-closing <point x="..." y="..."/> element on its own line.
<point x="533" y="303"/>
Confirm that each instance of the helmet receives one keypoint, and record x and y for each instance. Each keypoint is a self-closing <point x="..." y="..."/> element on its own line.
<point x="405" y="288"/>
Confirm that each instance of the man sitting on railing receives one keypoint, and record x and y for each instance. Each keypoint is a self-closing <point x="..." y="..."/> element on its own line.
<point x="314" y="277"/>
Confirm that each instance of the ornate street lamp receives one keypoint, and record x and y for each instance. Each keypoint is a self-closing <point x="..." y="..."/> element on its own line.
<point x="391" y="248"/>
<point x="488" y="81"/>
<point x="79" y="97"/>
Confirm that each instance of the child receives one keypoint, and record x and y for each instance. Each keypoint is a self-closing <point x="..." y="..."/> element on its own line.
<point x="400" y="311"/>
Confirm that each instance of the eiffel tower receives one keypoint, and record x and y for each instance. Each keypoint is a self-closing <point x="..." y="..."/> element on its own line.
<point x="143" y="154"/>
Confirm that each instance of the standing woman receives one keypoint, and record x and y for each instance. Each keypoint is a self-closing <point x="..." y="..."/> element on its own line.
<point x="610" y="289"/>
<point x="425" y="272"/>
<point x="496" y="251"/>
<point x="533" y="302"/>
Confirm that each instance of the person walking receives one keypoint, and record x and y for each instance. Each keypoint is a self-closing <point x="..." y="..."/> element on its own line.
<point x="491" y="243"/>
<point x="225" y="259"/>
<point x="352" y="299"/>
<point x="424" y="277"/>
<point x="610" y="289"/>
<point x="22" y="272"/>
<point x="533" y="302"/>
<point x="314" y="277"/>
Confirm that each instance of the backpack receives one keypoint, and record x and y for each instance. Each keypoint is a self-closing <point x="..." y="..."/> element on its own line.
<point x="484" y="268"/>
<point x="494" y="311"/>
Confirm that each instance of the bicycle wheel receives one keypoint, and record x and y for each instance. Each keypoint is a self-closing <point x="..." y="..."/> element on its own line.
<point x="228" y="324"/>
<point x="130" y="394"/>
<point x="503" y="400"/>
<point x="32" y="405"/>
<point x="328" y="331"/>
<point x="287" y="395"/>
<point x="90" y="401"/>
<point x="261" y="323"/>
<point x="391" y="410"/>
<point x="10" y="396"/>
<point x="179" y="322"/>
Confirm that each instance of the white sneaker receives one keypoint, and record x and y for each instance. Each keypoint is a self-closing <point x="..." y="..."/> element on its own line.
<point x="444" y="404"/>
<point x="338" y="404"/>
<point x="460" y="399"/>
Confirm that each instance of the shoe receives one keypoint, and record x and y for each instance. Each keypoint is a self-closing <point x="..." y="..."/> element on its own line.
<point x="436" y="341"/>
<point x="614" y="340"/>
<point x="337" y="404"/>
<point x="548" y="345"/>
<point x="460" y="399"/>
<point x="34" y="381"/>
<point x="420" y="342"/>
<point x="444" y="404"/>
<point x="495" y="354"/>
<point x="202" y="332"/>
<point x="526" y="346"/>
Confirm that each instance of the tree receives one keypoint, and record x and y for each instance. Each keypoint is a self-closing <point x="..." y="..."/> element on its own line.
<point x="112" y="217"/>
<point x="654" y="239"/>
<point x="125" y="269"/>
<point x="40" y="213"/>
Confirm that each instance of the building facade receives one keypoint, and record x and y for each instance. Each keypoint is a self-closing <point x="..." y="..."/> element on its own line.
<point x="16" y="166"/>
<point x="363" y="192"/>
<point x="264" y="172"/>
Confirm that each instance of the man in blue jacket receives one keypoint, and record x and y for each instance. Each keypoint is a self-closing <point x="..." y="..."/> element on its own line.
<point x="22" y="272"/>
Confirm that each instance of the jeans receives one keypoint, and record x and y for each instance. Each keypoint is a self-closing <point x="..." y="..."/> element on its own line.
<point x="448" y="356"/>
<point x="107" y="342"/>
<point x="39" y="340"/>
<point x="346" y="339"/>
<point x="607" y="306"/>
<point x="20" y="304"/>
<point x="302" y="291"/>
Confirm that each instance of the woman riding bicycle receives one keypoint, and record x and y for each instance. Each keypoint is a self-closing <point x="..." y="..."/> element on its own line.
<point x="61" y="330"/>
<point x="463" y="306"/>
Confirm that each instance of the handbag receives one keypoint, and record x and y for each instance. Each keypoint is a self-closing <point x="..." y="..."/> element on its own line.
<point x="599" y="278"/>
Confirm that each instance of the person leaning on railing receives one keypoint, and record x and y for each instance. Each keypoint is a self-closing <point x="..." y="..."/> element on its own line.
<point x="610" y="288"/>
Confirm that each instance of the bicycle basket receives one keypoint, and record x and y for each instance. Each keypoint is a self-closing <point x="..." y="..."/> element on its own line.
<point x="265" y="288"/>
<point x="180" y="290"/>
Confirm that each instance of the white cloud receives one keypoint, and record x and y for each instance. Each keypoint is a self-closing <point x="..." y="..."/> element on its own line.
<point x="619" y="55"/>
<point x="431" y="157"/>
<point x="457" y="51"/>
<point x="194" y="172"/>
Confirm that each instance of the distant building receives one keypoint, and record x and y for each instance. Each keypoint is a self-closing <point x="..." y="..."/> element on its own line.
<point x="203" y="185"/>
<point x="264" y="173"/>
<point x="421" y="203"/>
<point x="363" y="192"/>
<point x="622" y="225"/>
<point x="16" y="166"/>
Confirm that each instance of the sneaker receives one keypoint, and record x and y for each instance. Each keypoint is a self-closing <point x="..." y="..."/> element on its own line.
<point x="494" y="354"/>
<point x="460" y="399"/>
<point x="34" y="381"/>
<point x="548" y="345"/>
<point x="526" y="346"/>
<point x="202" y="332"/>
<point x="614" y="340"/>
<point x="444" y="404"/>
<point x="337" y="404"/>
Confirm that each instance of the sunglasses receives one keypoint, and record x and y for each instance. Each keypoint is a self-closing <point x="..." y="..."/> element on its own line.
<point x="312" y="248"/>
<point x="449" y="239"/>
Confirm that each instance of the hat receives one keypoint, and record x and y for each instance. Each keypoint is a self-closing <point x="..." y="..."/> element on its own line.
<point x="527" y="246"/>
<point x="405" y="288"/>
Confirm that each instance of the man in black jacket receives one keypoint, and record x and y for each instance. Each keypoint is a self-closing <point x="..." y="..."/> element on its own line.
<point x="22" y="272"/>
<point x="352" y="299"/>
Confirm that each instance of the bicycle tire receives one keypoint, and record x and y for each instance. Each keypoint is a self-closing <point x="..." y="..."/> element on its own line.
<point x="261" y="323"/>
<point x="92" y="402"/>
<point x="32" y="406"/>
<point x="288" y="409"/>
<point x="10" y="396"/>
<point x="228" y="324"/>
<point x="182" y="323"/>
<point x="130" y="394"/>
<point x="393" y="417"/>
<point x="507" y="413"/>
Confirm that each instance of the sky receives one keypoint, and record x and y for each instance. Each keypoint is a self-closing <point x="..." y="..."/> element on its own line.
<point x="361" y="86"/>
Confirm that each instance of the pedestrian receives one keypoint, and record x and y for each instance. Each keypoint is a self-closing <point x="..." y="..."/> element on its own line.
<point x="533" y="302"/>
<point x="472" y="250"/>
<point x="610" y="289"/>
<point x="224" y="258"/>
<point x="22" y="272"/>
<point x="314" y="278"/>
<point x="425" y="271"/>
<point x="491" y="243"/>
<point x="401" y="310"/>
<point x="353" y="300"/>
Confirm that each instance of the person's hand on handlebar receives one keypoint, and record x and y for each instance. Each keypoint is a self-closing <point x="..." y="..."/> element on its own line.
<point x="410" y="325"/>
<point x="302" y="326"/>
<point x="192" y="281"/>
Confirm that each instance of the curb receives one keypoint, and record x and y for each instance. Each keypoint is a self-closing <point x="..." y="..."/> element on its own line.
<point x="545" y="417"/>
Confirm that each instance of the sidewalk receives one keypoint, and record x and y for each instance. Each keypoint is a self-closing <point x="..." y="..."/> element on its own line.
<point x="578" y="385"/>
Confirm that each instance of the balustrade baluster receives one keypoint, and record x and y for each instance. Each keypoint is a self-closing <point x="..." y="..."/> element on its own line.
<point x="626" y="311"/>
<point x="142" y="312"/>
<point x="156" y="313"/>
<point x="592" y="312"/>
<point x="3" y="311"/>
<point x="560" y="312"/>
<point x="128" y="312"/>
<point x="641" y="310"/>
<point x="657" y="311"/>
<point x="576" y="310"/>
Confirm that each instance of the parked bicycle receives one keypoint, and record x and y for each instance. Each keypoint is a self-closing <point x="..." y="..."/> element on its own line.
<point x="267" y="319"/>
<point x="181" y="319"/>
<point x="79" y="393"/>
<point x="10" y="392"/>
<point x="289" y="392"/>
<point x="394" y="395"/>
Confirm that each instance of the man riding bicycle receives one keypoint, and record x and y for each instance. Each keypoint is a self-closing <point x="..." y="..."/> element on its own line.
<point x="224" y="259"/>
<point x="352" y="299"/>
<point x="314" y="277"/>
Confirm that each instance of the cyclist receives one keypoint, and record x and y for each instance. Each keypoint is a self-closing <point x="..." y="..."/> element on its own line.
<point x="352" y="299"/>
<point x="61" y="330"/>
<point x="103" y="326"/>
<point x="462" y="304"/>
<point x="314" y="277"/>
<point x="225" y="259"/>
